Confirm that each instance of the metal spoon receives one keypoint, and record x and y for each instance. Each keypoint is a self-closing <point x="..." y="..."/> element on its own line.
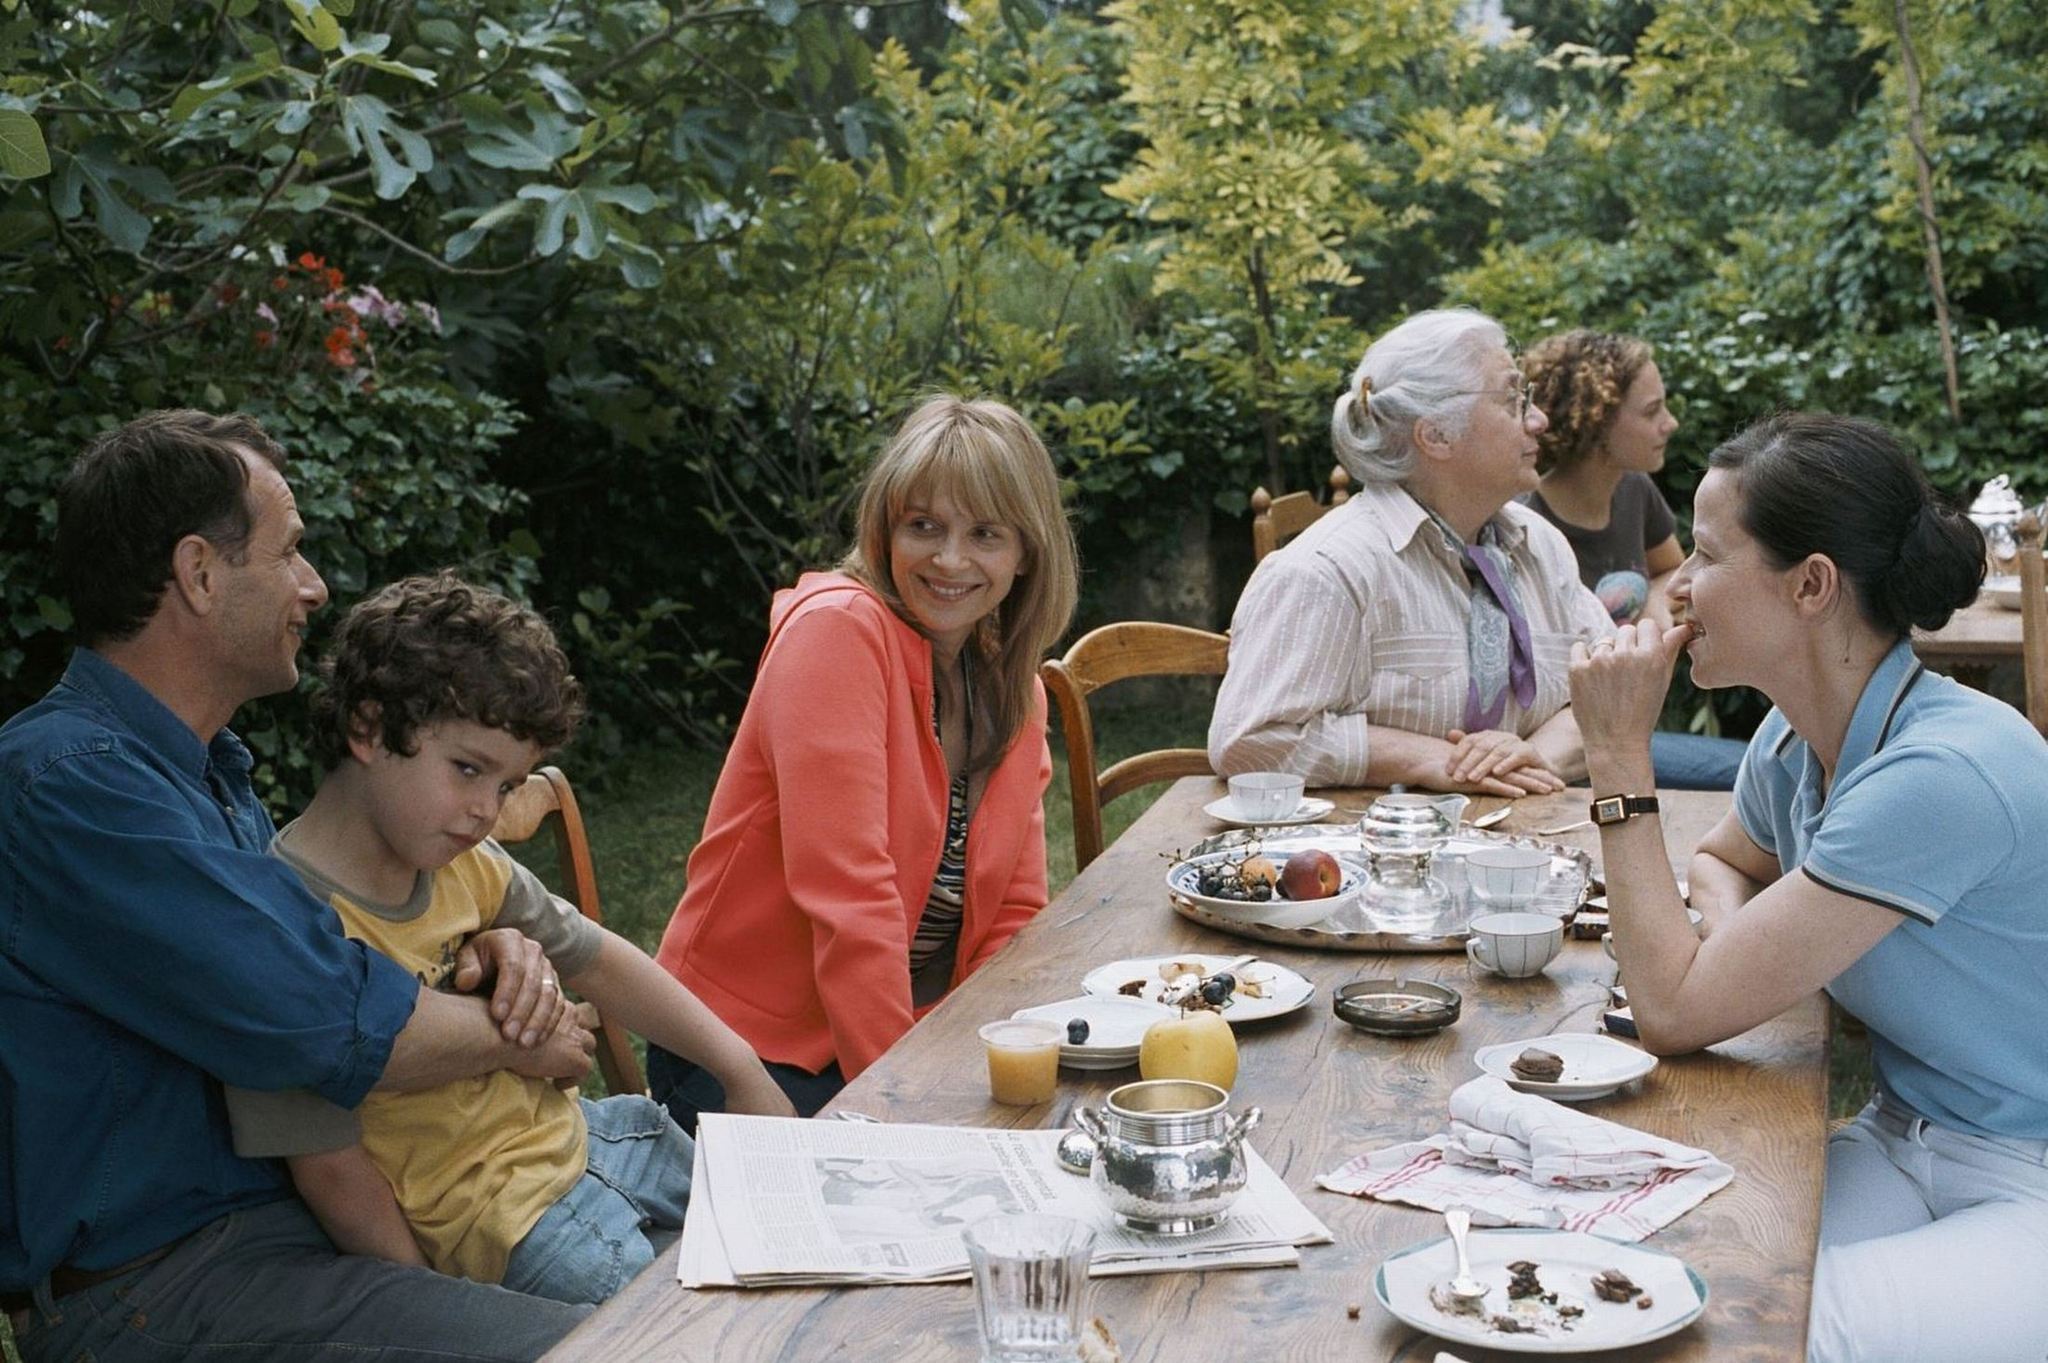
<point x="1491" y="817"/>
<point x="1563" y="828"/>
<point x="1464" y="1286"/>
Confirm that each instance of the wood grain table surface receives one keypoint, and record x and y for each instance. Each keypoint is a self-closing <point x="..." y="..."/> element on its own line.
<point x="1328" y="1092"/>
<point x="1976" y="636"/>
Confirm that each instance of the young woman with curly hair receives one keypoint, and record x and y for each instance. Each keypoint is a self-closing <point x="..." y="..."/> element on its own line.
<point x="1608" y="427"/>
<point x="1609" y="424"/>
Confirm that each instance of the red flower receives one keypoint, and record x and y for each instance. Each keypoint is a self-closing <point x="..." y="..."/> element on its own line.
<point x="334" y="280"/>
<point x="265" y="339"/>
<point x="229" y="293"/>
<point x="340" y="352"/>
<point x="308" y="261"/>
<point x="280" y="283"/>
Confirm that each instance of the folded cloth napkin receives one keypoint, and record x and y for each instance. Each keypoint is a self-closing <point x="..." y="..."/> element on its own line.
<point x="1519" y="1160"/>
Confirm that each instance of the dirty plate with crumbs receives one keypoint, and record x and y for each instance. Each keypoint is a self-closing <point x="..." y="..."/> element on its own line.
<point x="1569" y="1316"/>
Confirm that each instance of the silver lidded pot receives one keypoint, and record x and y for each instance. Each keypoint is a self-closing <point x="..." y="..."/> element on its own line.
<point x="1168" y="1155"/>
<point x="1402" y="832"/>
<point x="1996" y="512"/>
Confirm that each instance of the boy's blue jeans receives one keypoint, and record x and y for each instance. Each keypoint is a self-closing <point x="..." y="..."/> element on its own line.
<point x="591" y="1242"/>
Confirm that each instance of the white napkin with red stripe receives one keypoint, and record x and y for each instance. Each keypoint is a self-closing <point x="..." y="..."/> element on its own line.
<point x="1519" y="1160"/>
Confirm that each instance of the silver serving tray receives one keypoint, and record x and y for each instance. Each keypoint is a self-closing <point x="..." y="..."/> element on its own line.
<point x="1347" y="929"/>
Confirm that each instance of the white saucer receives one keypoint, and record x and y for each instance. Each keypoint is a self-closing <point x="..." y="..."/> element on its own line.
<point x="1311" y="808"/>
<point x="2002" y="590"/>
<point x="1116" y="1025"/>
<point x="1594" y="1065"/>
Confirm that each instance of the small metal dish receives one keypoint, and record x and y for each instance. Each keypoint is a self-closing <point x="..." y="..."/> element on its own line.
<point x="1397" y="1007"/>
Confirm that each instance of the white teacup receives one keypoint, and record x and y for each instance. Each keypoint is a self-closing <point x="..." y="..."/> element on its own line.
<point x="1516" y="945"/>
<point x="1257" y="796"/>
<point x="1503" y="878"/>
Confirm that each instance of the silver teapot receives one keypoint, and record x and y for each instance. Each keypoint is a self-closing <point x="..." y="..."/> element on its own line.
<point x="1996" y="512"/>
<point x="1168" y="1154"/>
<point x="1403" y="831"/>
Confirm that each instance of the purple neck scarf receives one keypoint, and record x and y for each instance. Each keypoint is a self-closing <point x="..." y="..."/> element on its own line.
<point x="1499" y="655"/>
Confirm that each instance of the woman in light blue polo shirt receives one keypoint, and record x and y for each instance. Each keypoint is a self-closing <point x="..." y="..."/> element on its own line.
<point x="1889" y="843"/>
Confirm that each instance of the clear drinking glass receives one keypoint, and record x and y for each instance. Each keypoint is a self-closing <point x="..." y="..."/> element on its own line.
<point x="1029" y="1271"/>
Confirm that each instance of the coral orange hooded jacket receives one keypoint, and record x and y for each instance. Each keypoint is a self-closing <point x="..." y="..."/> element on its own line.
<point x="826" y="829"/>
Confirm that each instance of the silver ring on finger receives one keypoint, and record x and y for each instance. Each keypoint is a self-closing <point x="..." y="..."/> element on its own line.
<point x="547" y="982"/>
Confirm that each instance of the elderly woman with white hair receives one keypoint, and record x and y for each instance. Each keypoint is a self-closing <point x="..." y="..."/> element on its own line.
<point x="1421" y="632"/>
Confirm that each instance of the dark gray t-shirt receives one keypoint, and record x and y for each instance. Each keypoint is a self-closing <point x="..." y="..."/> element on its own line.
<point x="1614" y="560"/>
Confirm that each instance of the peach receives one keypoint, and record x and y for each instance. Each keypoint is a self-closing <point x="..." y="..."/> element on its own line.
<point x="1311" y="874"/>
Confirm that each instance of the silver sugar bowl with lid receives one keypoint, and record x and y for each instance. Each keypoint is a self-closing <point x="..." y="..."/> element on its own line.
<point x="1168" y="1154"/>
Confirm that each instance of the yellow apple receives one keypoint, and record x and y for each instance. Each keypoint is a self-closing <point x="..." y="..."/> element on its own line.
<point x="1196" y="1045"/>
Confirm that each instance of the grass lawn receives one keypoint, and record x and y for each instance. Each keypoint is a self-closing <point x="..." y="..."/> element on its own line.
<point x="646" y="815"/>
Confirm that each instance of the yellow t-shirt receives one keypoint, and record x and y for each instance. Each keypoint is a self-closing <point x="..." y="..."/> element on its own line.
<point x="475" y="1162"/>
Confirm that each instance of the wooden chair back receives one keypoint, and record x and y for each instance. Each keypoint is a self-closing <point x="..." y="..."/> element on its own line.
<point x="2034" y="618"/>
<point x="1276" y="520"/>
<point x="545" y="802"/>
<point x="1139" y="648"/>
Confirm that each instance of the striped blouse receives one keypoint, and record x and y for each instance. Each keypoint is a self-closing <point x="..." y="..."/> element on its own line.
<point x="936" y="944"/>
<point x="1361" y="620"/>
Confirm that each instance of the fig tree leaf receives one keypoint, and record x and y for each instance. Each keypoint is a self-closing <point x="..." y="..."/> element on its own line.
<point x="372" y="129"/>
<point x="23" y="153"/>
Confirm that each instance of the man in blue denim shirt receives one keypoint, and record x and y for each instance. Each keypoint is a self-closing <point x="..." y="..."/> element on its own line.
<point x="150" y="948"/>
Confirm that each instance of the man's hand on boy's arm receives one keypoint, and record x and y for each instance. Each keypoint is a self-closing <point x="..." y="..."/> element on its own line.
<point x="526" y="998"/>
<point x="452" y="1036"/>
<point x="640" y="996"/>
<point x="350" y="1198"/>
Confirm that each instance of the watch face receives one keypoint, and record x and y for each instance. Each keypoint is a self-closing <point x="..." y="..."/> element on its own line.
<point x="1609" y="810"/>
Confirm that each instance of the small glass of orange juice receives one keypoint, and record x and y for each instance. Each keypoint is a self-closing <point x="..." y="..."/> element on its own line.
<point x="1023" y="1060"/>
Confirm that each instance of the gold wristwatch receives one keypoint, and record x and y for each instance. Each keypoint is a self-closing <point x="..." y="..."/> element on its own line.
<point x="1613" y="809"/>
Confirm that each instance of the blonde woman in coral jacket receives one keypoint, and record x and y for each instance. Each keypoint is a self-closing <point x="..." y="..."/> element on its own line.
<point x="877" y="832"/>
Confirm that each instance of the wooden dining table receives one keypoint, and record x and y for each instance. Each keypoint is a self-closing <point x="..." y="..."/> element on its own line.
<point x="1976" y="638"/>
<point x="1328" y="1093"/>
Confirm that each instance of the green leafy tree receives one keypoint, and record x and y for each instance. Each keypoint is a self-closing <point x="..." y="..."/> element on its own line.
<point x="1274" y="133"/>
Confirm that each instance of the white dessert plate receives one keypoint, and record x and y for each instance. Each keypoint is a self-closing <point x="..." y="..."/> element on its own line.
<point x="1115" y="1027"/>
<point x="1311" y="808"/>
<point x="1594" y="1065"/>
<point x="2002" y="589"/>
<point x="1566" y="1262"/>
<point x="1286" y="991"/>
<point x="1278" y="911"/>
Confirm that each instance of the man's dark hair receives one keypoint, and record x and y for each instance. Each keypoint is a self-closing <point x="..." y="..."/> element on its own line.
<point x="428" y="649"/>
<point x="133" y="494"/>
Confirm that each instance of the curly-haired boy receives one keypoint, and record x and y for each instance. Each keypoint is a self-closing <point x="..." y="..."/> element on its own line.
<point x="440" y="699"/>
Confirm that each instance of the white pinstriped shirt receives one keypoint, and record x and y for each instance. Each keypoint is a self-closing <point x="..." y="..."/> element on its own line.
<point x="1361" y="620"/>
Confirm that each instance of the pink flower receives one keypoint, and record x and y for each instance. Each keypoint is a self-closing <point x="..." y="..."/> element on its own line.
<point x="371" y="302"/>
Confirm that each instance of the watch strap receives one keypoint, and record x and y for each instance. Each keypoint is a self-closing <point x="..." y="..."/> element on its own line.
<point x="1613" y="809"/>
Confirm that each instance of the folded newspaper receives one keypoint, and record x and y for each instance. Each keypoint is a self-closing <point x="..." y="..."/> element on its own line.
<point x="781" y="1202"/>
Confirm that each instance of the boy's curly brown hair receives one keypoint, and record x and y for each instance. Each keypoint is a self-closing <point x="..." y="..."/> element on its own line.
<point x="434" y="648"/>
<point x="1579" y="380"/>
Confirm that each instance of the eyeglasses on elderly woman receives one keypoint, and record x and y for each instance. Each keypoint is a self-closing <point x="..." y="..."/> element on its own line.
<point x="1522" y="397"/>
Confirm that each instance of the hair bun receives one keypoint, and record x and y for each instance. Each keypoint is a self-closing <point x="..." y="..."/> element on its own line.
<point x="1940" y="566"/>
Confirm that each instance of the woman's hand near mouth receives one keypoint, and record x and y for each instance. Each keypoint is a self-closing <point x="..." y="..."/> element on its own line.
<point x="1618" y="688"/>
